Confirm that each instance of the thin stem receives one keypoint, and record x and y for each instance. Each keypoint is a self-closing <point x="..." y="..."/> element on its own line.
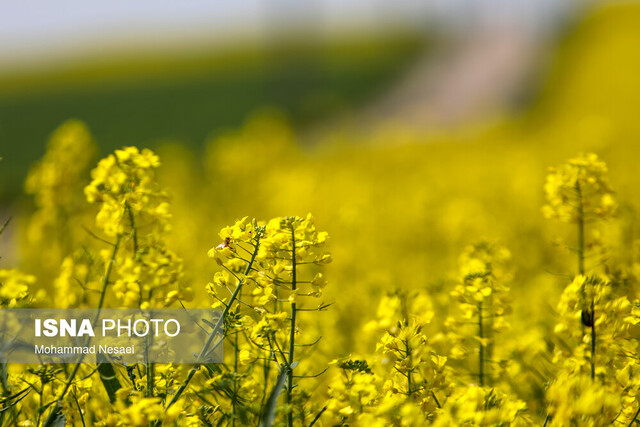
<point x="233" y="297"/>
<point x="235" y="379"/>
<point x="317" y="417"/>
<point x="151" y="373"/>
<point x="635" y="416"/>
<point x="593" y="341"/>
<point x="105" y="279"/>
<point x="105" y="282"/>
<point x="292" y="334"/>
<point x="581" y="271"/>
<point x="435" y="399"/>
<point x="580" y="221"/>
<point x="408" y="350"/>
<point x="79" y="409"/>
<point x="184" y="385"/>
<point x="580" y="249"/>
<point x="265" y="370"/>
<point x="134" y="233"/>
<point x="481" y="348"/>
<point x="490" y="335"/>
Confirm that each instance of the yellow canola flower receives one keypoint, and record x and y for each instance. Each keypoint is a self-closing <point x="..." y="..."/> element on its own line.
<point x="124" y="183"/>
<point x="579" y="189"/>
<point x="14" y="287"/>
<point x="578" y="400"/>
<point x="140" y="411"/>
<point x="483" y="406"/>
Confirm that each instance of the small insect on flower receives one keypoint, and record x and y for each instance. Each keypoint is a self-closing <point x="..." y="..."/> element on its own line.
<point x="224" y="244"/>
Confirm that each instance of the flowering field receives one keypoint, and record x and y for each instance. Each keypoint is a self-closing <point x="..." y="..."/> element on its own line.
<point x="487" y="276"/>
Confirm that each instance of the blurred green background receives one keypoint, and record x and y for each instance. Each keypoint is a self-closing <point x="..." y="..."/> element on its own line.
<point x="145" y="101"/>
<point x="435" y="68"/>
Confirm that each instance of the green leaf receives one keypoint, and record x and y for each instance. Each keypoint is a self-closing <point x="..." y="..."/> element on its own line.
<point x="59" y="421"/>
<point x="272" y="401"/>
<point x="108" y="377"/>
<point x="56" y="418"/>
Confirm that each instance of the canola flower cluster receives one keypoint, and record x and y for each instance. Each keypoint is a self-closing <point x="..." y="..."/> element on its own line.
<point x="461" y="351"/>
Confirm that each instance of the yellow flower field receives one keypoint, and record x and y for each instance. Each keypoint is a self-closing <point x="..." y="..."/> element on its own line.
<point x="391" y="276"/>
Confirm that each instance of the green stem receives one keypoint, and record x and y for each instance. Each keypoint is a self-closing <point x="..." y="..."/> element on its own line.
<point x="105" y="282"/>
<point x="635" y="416"/>
<point x="225" y="312"/>
<point x="593" y="341"/>
<point x="134" y="233"/>
<point x="151" y="373"/>
<point x="410" y="369"/>
<point x="581" y="271"/>
<point x="407" y="348"/>
<point x="490" y="335"/>
<point x="317" y="417"/>
<point x="235" y="379"/>
<point x="292" y="334"/>
<point x="105" y="279"/>
<point x="265" y="387"/>
<point x="433" y="394"/>
<point x="580" y="221"/>
<point x="232" y="299"/>
<point x="481" y="348"/>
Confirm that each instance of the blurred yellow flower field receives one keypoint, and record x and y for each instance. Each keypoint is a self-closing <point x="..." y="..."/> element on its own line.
<point x="386" y="276"/>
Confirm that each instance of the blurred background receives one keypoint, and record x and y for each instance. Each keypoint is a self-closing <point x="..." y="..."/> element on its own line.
<point x="144" y="72"/>
<point x="410" y="129"/>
